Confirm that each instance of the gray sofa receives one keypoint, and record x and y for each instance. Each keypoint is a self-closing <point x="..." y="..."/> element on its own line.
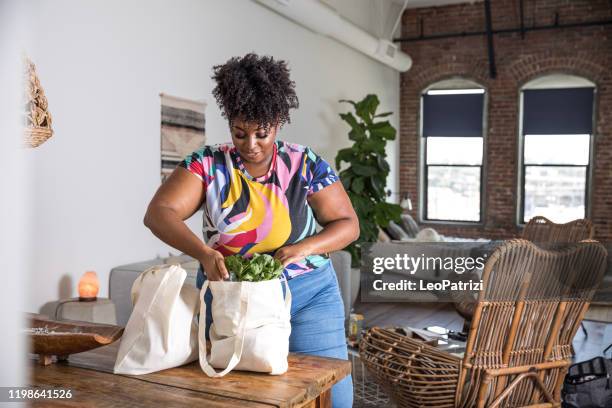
<point x="122" y="277"/>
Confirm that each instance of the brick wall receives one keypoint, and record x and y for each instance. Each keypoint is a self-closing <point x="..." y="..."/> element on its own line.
<point x="583" y="51"/>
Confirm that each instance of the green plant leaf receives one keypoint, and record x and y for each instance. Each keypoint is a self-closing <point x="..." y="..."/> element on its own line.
<point x="345" y="154"/>
<point x="378" y="187"/>
<point x="357" y="185"/>
<point x="357" y="136"/>
<point x="368" y="231"/>
<point x="382" y="164"/>
<point x="373" y="146"/>
<point x="349" y="101"/>
<point x="366" y="108"/>
<point x="363" y="170"/>
<point x="363" y="206"/>
<point x="382" y="130"/>
<point x="382" y="115"/>
<point x="385" y="212"/>
<point x="357" y="132"/>
<point x="346" y="181"/>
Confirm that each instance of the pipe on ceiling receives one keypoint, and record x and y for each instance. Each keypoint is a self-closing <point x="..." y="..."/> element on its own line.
<point x="324" y="20"/>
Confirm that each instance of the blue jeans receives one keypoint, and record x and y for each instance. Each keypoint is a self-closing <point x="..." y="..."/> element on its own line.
<point x="317" y="321"/>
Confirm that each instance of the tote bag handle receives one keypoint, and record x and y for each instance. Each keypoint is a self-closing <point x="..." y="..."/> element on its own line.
<point x="287" y="296"/>
<point x="239" y="341"/>
<point x="142" y="308"/>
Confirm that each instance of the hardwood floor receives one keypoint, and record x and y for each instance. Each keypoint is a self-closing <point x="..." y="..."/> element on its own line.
<point x="421" y="315"/>
<point x="418" y="315"/>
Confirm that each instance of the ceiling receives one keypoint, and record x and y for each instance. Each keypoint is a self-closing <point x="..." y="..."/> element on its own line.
<point x="378" y="17"/>
<point x="431" y="3"/>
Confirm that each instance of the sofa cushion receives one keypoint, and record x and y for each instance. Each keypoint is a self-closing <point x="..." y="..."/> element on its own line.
<point x="429" y="235"/>
<point x="396" y="232"/>
<point x="383" y="236"/>
<point x="409" y="225"/>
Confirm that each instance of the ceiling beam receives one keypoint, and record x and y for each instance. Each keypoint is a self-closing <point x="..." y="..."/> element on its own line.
<point x="504" y="31"/>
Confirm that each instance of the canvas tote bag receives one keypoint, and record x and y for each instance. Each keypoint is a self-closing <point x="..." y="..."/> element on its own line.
<point x="250" y="329"/>
<point x="162" y="330"/>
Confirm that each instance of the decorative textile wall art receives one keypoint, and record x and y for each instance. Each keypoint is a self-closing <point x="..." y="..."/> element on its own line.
<point x="182" y="130"/>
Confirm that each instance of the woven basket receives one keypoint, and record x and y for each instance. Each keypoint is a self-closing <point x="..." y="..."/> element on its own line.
<point x="412" y="372"/>
<point x="37" y="128"/>
<point x="34" y="137"/>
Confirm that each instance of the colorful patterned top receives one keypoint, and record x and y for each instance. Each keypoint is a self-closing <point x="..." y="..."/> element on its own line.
<point x="245" y="214"/>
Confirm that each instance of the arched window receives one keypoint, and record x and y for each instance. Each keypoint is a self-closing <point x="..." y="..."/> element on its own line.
<point x="452" y="146"/>
<point x="555" y="141"/>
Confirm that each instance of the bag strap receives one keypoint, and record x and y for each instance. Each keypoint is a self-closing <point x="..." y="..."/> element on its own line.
<point x="238" y="342"/>
<point x="140" y="312"/>
<point x="137" y="284"/>
<point x="287" y="297"/>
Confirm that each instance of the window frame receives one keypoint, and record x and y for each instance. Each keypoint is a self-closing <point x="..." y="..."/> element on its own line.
<point x="520" y="196"/>
<point x="521" y="166"/>
<point x="423" y="166"/>
<point x="587" y="168"/>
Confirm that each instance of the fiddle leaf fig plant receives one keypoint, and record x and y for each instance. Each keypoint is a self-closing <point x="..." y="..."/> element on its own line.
<point x="365" y="177"/>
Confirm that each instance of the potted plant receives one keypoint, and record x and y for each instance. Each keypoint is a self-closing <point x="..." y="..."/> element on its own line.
<point x="365" y="177"/>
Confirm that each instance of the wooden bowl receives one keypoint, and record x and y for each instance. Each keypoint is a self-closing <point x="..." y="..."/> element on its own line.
<point x="62" y="338"/>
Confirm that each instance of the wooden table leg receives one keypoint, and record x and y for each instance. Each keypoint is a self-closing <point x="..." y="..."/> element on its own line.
<point x="324" y="400"/>
<point x="45" y="359"/>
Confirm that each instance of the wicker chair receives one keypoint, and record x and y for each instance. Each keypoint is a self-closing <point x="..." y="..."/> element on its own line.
<point x="540" y="230"/>
<point x="519" y="345"/>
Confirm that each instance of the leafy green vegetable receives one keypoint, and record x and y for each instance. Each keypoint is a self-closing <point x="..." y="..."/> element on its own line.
<point x="260" y="267"/>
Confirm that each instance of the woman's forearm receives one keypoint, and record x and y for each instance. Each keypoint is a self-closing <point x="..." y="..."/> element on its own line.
<point x="170" y="228"/>
<point x="334" y="236"/>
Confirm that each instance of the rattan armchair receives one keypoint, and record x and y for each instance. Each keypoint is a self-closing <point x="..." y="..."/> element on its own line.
<point x="519" y="345"/>
<point x="539" y="230"/>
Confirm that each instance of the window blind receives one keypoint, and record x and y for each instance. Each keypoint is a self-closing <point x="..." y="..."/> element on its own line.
<point x="453" y="115"/>
<point x="558" y="111"/>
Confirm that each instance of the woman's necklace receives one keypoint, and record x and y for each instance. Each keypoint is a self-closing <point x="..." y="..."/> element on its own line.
<point x="259" y="170"/>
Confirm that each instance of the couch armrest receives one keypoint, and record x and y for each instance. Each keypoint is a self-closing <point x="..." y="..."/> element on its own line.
<point x="341" y="261"/>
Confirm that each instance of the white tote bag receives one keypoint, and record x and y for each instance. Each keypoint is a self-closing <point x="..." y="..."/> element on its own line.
<point x="162" y="330"/>
<point x="250" y="329"/>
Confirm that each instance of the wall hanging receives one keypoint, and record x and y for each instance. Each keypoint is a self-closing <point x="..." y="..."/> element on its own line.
<point x="182" y="130"/>
<point x="37" y="126"/>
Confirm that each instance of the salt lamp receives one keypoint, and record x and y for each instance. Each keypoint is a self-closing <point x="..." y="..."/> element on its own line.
<point x="88" y="287"/>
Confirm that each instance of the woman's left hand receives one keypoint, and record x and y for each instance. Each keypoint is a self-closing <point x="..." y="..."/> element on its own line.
<point x="292" y="253"/>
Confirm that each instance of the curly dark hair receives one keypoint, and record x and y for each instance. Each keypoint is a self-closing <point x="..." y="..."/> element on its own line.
<point x="256" y="89"/>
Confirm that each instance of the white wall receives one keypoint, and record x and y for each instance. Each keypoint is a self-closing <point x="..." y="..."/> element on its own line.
<point x="14" y="203"/>
<point x="103" y="65"/>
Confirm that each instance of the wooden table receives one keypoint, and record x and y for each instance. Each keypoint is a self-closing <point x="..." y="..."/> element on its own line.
<point x="307" y="383"/>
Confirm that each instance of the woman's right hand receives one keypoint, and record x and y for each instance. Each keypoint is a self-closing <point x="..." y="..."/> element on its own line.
<point x="214" y="265"/>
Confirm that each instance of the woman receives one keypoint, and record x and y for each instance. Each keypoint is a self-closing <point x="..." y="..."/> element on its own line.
<point x="262" y="195"/>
